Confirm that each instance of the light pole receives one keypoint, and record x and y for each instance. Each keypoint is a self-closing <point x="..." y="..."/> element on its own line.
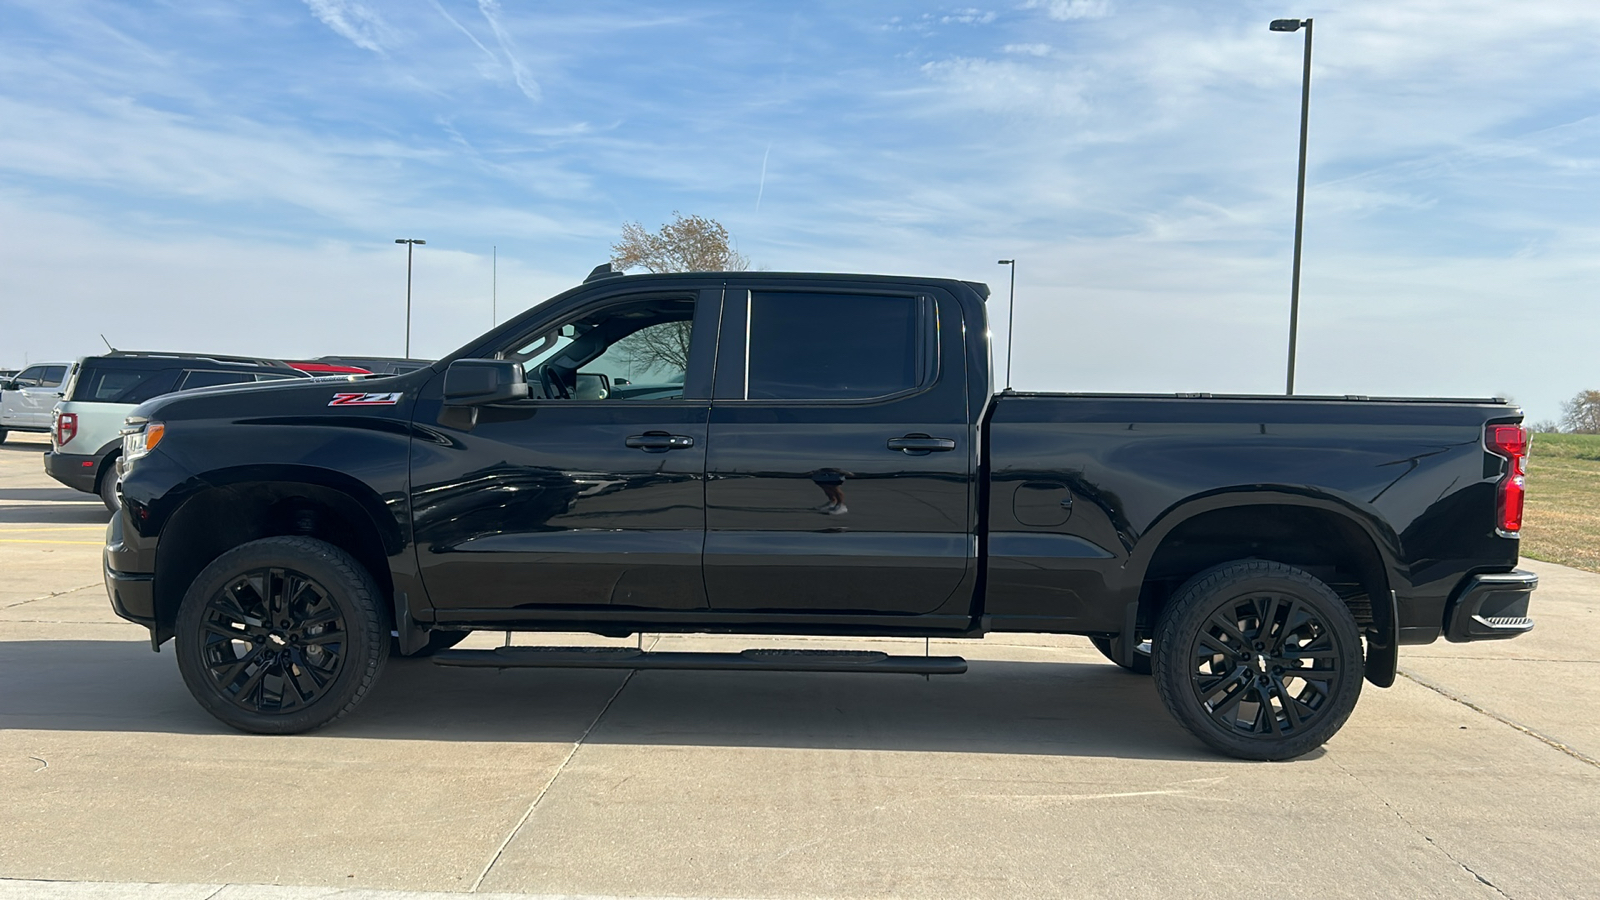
<point x="1011" y="315"/>
<point x="411" y="244"/>
<point x="1300" y="193"/>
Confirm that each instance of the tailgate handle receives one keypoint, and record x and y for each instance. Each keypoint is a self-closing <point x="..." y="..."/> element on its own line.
<point x="659" y="441"/>
<point x="921" y="443"/>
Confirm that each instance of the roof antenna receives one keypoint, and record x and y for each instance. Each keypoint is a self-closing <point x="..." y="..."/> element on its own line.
<point x="108" y="344"/>
<point x="1011" y="317"/>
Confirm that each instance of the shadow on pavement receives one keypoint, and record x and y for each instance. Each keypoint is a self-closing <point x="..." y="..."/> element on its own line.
<point x="1045" y="708"/>
<point x="55" y="515"/>
<point x="44" y="493"/>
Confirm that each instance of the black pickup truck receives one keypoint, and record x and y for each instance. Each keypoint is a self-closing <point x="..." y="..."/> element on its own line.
<point x="768" y="453"/>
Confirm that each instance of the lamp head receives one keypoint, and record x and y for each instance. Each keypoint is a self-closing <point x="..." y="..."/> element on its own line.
<point x="1005" y="262"/>
<point x="1285" y="25"/>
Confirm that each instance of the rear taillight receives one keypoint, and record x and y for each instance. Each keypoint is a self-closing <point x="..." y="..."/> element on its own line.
<point x="1511" y="442"/>
<point x="66" y="427"/>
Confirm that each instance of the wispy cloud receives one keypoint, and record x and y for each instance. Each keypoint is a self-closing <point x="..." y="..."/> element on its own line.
<point x="525" y="82"/>
<point x="1066" y="10"/>
<point x="968" y="16"/>
<point x="352" y="21"/>
<point x="1027" y="49"/>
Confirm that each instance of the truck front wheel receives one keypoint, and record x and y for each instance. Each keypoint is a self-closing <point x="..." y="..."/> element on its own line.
<point x="281" y="635"/>
<point x="1258" y="659"/>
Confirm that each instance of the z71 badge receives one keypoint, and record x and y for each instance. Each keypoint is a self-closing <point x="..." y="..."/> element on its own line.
<point x="365" y="399"/>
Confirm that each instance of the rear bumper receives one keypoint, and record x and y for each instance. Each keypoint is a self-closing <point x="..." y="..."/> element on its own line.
<point x="1491" y="607"/>
<point x="79" y="472"/>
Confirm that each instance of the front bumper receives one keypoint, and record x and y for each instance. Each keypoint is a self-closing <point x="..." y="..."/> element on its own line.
<point x="1491" y="607"/>
<point x="76" y="471"/>
<point x="133" y="595"/>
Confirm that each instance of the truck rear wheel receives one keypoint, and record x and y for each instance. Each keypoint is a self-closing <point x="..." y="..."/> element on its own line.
<point x="281" y="635"/>
<point x="1258" y="659"/>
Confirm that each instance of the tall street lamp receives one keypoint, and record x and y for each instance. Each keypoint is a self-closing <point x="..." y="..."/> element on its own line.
<point x="411" y="245"/>
<point x="1300" y="193"/>
<point x="1011" y="315"/>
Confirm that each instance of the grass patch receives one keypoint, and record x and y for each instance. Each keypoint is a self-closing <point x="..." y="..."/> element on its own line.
<point x="1562" y="521"/>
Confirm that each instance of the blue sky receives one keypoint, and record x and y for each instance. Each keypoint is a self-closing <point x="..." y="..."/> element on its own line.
<point x="231" y="177"/>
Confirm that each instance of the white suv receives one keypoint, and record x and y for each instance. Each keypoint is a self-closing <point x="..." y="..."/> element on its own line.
<point x="27" y="397"/>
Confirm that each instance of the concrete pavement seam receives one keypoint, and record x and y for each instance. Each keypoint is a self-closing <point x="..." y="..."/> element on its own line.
<point x="48" y="596"/>
<point x="1418" y="831"/>
<point x="553" y="776"/>
<point x="1536" y="735"/>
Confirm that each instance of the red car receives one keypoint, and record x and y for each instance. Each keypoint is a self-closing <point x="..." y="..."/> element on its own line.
<point x="320" y="368"/>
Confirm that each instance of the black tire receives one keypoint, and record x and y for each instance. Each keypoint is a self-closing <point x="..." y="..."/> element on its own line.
<point x="2" y="435"/>
<point x="1229" y="646"/>
<point x="108" y="488"/>
<point x="281" y="635"/>
<point x="1141" y="655"/>
<point x="437" y="640"/>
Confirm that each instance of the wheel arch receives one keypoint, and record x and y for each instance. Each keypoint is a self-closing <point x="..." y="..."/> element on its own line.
<point x="1350" y="549"/>
<point x="237" y="506"/>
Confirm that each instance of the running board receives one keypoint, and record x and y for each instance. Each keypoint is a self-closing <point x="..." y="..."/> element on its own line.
<point x="760" y="660"/>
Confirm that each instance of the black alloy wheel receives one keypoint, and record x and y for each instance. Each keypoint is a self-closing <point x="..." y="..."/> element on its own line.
<point x="281" y="635"/>
<point x="1258" y="659"/>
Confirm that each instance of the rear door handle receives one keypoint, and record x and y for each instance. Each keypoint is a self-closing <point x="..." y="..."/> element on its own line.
<point x="659" y="441"/>
<point x="920" y="443"/>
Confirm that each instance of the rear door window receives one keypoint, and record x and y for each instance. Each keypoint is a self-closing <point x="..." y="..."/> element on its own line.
<point x="832" y="346"/>
<point x="53" y="376"/>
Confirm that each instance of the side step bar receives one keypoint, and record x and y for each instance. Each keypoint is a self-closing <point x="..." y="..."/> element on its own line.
<point x="759" y="660"/>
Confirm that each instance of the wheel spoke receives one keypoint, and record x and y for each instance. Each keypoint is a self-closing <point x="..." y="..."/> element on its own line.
<point x="232" y="634"/>
<point x="1268" y="711"/>
<point x="1229" y="625"/>
<point x="1229" y="702"/>
<point x="251" y="685"/>
<point x="1209" y="646"/>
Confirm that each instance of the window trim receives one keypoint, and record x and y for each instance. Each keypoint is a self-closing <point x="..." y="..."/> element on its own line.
<point x="736" y="343"/>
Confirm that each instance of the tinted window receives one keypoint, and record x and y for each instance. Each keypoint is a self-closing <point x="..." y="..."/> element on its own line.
<point x="108" y="385"/>
<point x="53" y="376"/>
<point x="831" y="346"/>
<point x="30" y="376"/>
<point x="193" y="380"/>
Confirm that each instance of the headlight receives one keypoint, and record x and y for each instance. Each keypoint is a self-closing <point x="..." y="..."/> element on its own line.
<point x="139" y="438"/>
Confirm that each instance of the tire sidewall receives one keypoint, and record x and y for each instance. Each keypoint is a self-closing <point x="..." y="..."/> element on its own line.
<point x="108" y="488"/>
<point x="1198" y="599"/>
<point x="350" y="588"/>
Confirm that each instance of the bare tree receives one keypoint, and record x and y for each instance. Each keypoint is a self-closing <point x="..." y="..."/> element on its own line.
<point x="1545" y="426"/>
<point x="686" y="244"/>
<point x="1581" y="414"/>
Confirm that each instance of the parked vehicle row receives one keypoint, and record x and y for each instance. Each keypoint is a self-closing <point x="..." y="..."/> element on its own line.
<point x="82" y="404"/>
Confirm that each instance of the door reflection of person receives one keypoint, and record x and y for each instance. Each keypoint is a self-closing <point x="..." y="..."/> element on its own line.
<point x="832" y="483"/>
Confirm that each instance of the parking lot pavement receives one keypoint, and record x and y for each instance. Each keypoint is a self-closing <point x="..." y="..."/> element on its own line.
<point x="1043" y="772"/>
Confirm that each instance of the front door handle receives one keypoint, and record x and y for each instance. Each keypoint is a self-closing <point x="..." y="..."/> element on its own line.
<point x="659" y="441"/>
<point x="921" y="443"/>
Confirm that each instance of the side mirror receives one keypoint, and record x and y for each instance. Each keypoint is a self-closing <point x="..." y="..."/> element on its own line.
<point x="8" y="385"/>
<point x="472" y="382"/>
<point x="596" y="386"/>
